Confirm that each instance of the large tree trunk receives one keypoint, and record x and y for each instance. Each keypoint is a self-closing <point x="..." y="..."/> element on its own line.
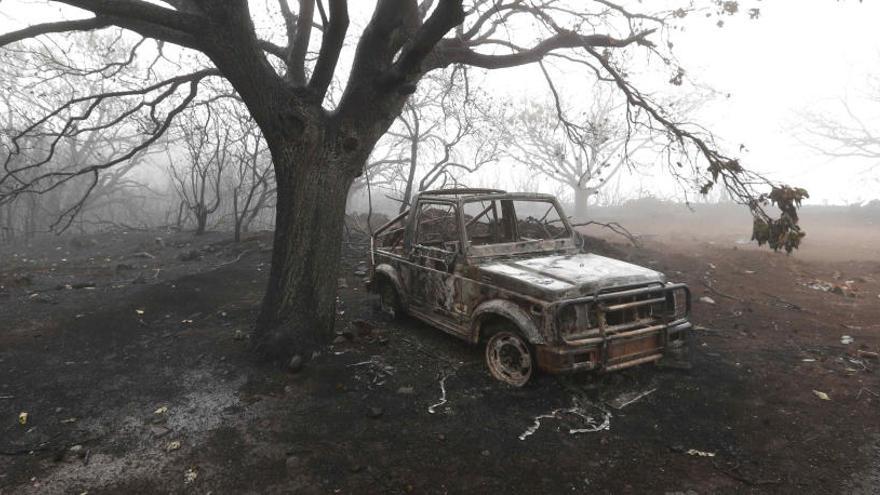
<point x="299" y="307"/>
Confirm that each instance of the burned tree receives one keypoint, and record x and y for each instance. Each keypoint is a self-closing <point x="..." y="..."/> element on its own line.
<point x="850" y="135"/>
<point x="207" y="141"/>
<point x="445" y="130"/>
<point x="250" y="180"/>
<point x="44" y="76"/>
<point x="582" y="161"/>
<point x="317" y="152"/>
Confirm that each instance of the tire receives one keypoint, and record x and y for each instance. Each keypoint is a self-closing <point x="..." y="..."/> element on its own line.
<point x="510" y="358"/>
<point x="389" y="301"/>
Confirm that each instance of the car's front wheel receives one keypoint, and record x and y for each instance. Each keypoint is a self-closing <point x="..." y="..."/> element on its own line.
<point x="510" y="358"/>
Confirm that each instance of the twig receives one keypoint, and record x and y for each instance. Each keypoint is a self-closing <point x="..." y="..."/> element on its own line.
<point x="78" y="285"/>
<point x="733" y="474"/>
<point x="863" y="389"/>
<point x="719" y="293"/>
<point x="430" y="354"/>
<point x="432" y="409"/>
<point x="785" y="303"/>
<point x="236" y="260"/>
<point x="614" y="227"/>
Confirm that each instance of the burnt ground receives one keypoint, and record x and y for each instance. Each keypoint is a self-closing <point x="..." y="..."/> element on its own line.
<point x="144" y="383"/>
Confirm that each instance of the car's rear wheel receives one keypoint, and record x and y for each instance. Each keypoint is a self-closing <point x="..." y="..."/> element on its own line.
<point x="510" y="358"/>
<point x="389" y="301"/>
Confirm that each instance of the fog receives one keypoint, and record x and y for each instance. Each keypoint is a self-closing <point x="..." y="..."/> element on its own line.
<point x="273" y="246"/>
<point x="763" y="87"/>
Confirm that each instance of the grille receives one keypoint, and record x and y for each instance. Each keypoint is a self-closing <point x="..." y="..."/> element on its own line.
<point x="641" y="308"/>
<point x="625" y="312"/>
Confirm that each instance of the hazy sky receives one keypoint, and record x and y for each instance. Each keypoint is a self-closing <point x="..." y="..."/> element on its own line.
<point x="798" y="56"/>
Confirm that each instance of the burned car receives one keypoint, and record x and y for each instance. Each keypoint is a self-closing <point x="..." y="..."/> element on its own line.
<point x="508" y="270"/>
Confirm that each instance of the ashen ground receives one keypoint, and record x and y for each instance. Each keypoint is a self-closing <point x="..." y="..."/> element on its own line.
<point x="145" y="384"/>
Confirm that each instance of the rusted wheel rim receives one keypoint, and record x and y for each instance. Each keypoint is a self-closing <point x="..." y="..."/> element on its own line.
<point x="509" y="358"/>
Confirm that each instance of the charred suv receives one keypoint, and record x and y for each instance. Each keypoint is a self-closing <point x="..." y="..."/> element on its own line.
<point x="508" y="270"/>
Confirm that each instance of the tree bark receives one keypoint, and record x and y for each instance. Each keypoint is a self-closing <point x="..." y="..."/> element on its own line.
<point x="201" y="219"/>
<point x="299" y="307"/>
<point x="581" y="197"/>
<point x="413" y="163"/>
<point x="237" y="232"/>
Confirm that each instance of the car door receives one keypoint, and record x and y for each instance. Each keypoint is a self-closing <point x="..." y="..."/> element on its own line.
<point x="436" y="248"/>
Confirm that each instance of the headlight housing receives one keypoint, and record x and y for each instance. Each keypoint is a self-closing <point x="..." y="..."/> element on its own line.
<point x="573" y="318"/>
<point x="680" y="303"/>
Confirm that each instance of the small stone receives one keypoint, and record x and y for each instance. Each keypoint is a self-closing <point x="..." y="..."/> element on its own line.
<point x="78" y="451"/>
<point x="295" y="364"/>
<point x="239" y="335"/>
<point x="159" y="431"/>
<point x="292" y="462"/>
<point x="441" y="437"/>
<point x="340" y="339"/>
<point x="190" y="255"/>
<point x="375" y="412"/>
<point x="485" y="453"/>
<point x="190" y="476"/>
<point x="43" y="299"/>
<point x="405" y="391"/>
<point x="707" y="300"/>
<point x="360" y="273"/>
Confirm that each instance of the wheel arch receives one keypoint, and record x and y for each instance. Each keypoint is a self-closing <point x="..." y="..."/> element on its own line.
<point x="386" y="273"/>
<point x="496" y="311"/>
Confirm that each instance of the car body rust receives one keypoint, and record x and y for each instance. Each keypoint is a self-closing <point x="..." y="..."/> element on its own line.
<point x="476" y="262"/>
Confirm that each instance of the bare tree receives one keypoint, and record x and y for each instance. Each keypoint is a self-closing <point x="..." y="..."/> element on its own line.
<point x="317" y="152"/>
<point x="445" y="130"/>
<point x="251" y="180"/>
<point x="44" y="75"/>
<point x="207" y="140"/>
<point x="585" y="163"/>
<point x="851" y="135"/>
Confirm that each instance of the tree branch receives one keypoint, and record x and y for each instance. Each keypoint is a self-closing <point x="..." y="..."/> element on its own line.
<point x="139" y="10"/>
<point x="299" y="45"/>
<point x="98" y="22"/>
<point x="455" y="51"/>
<point x="331" y="46"/>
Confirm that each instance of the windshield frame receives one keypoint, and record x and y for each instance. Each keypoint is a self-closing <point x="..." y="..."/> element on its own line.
<point x="522" y="246"/>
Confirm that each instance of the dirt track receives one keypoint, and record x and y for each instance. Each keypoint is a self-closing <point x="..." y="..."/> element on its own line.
<point x="92" y="371"/>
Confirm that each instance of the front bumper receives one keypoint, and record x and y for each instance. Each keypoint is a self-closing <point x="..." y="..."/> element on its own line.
<point x="614" y="352"/>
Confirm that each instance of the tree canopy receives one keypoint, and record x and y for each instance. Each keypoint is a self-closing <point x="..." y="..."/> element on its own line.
<point x="324" y="81"/>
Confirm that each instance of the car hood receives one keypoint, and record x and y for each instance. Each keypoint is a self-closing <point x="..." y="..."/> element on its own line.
<point x="564" y="276"/>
